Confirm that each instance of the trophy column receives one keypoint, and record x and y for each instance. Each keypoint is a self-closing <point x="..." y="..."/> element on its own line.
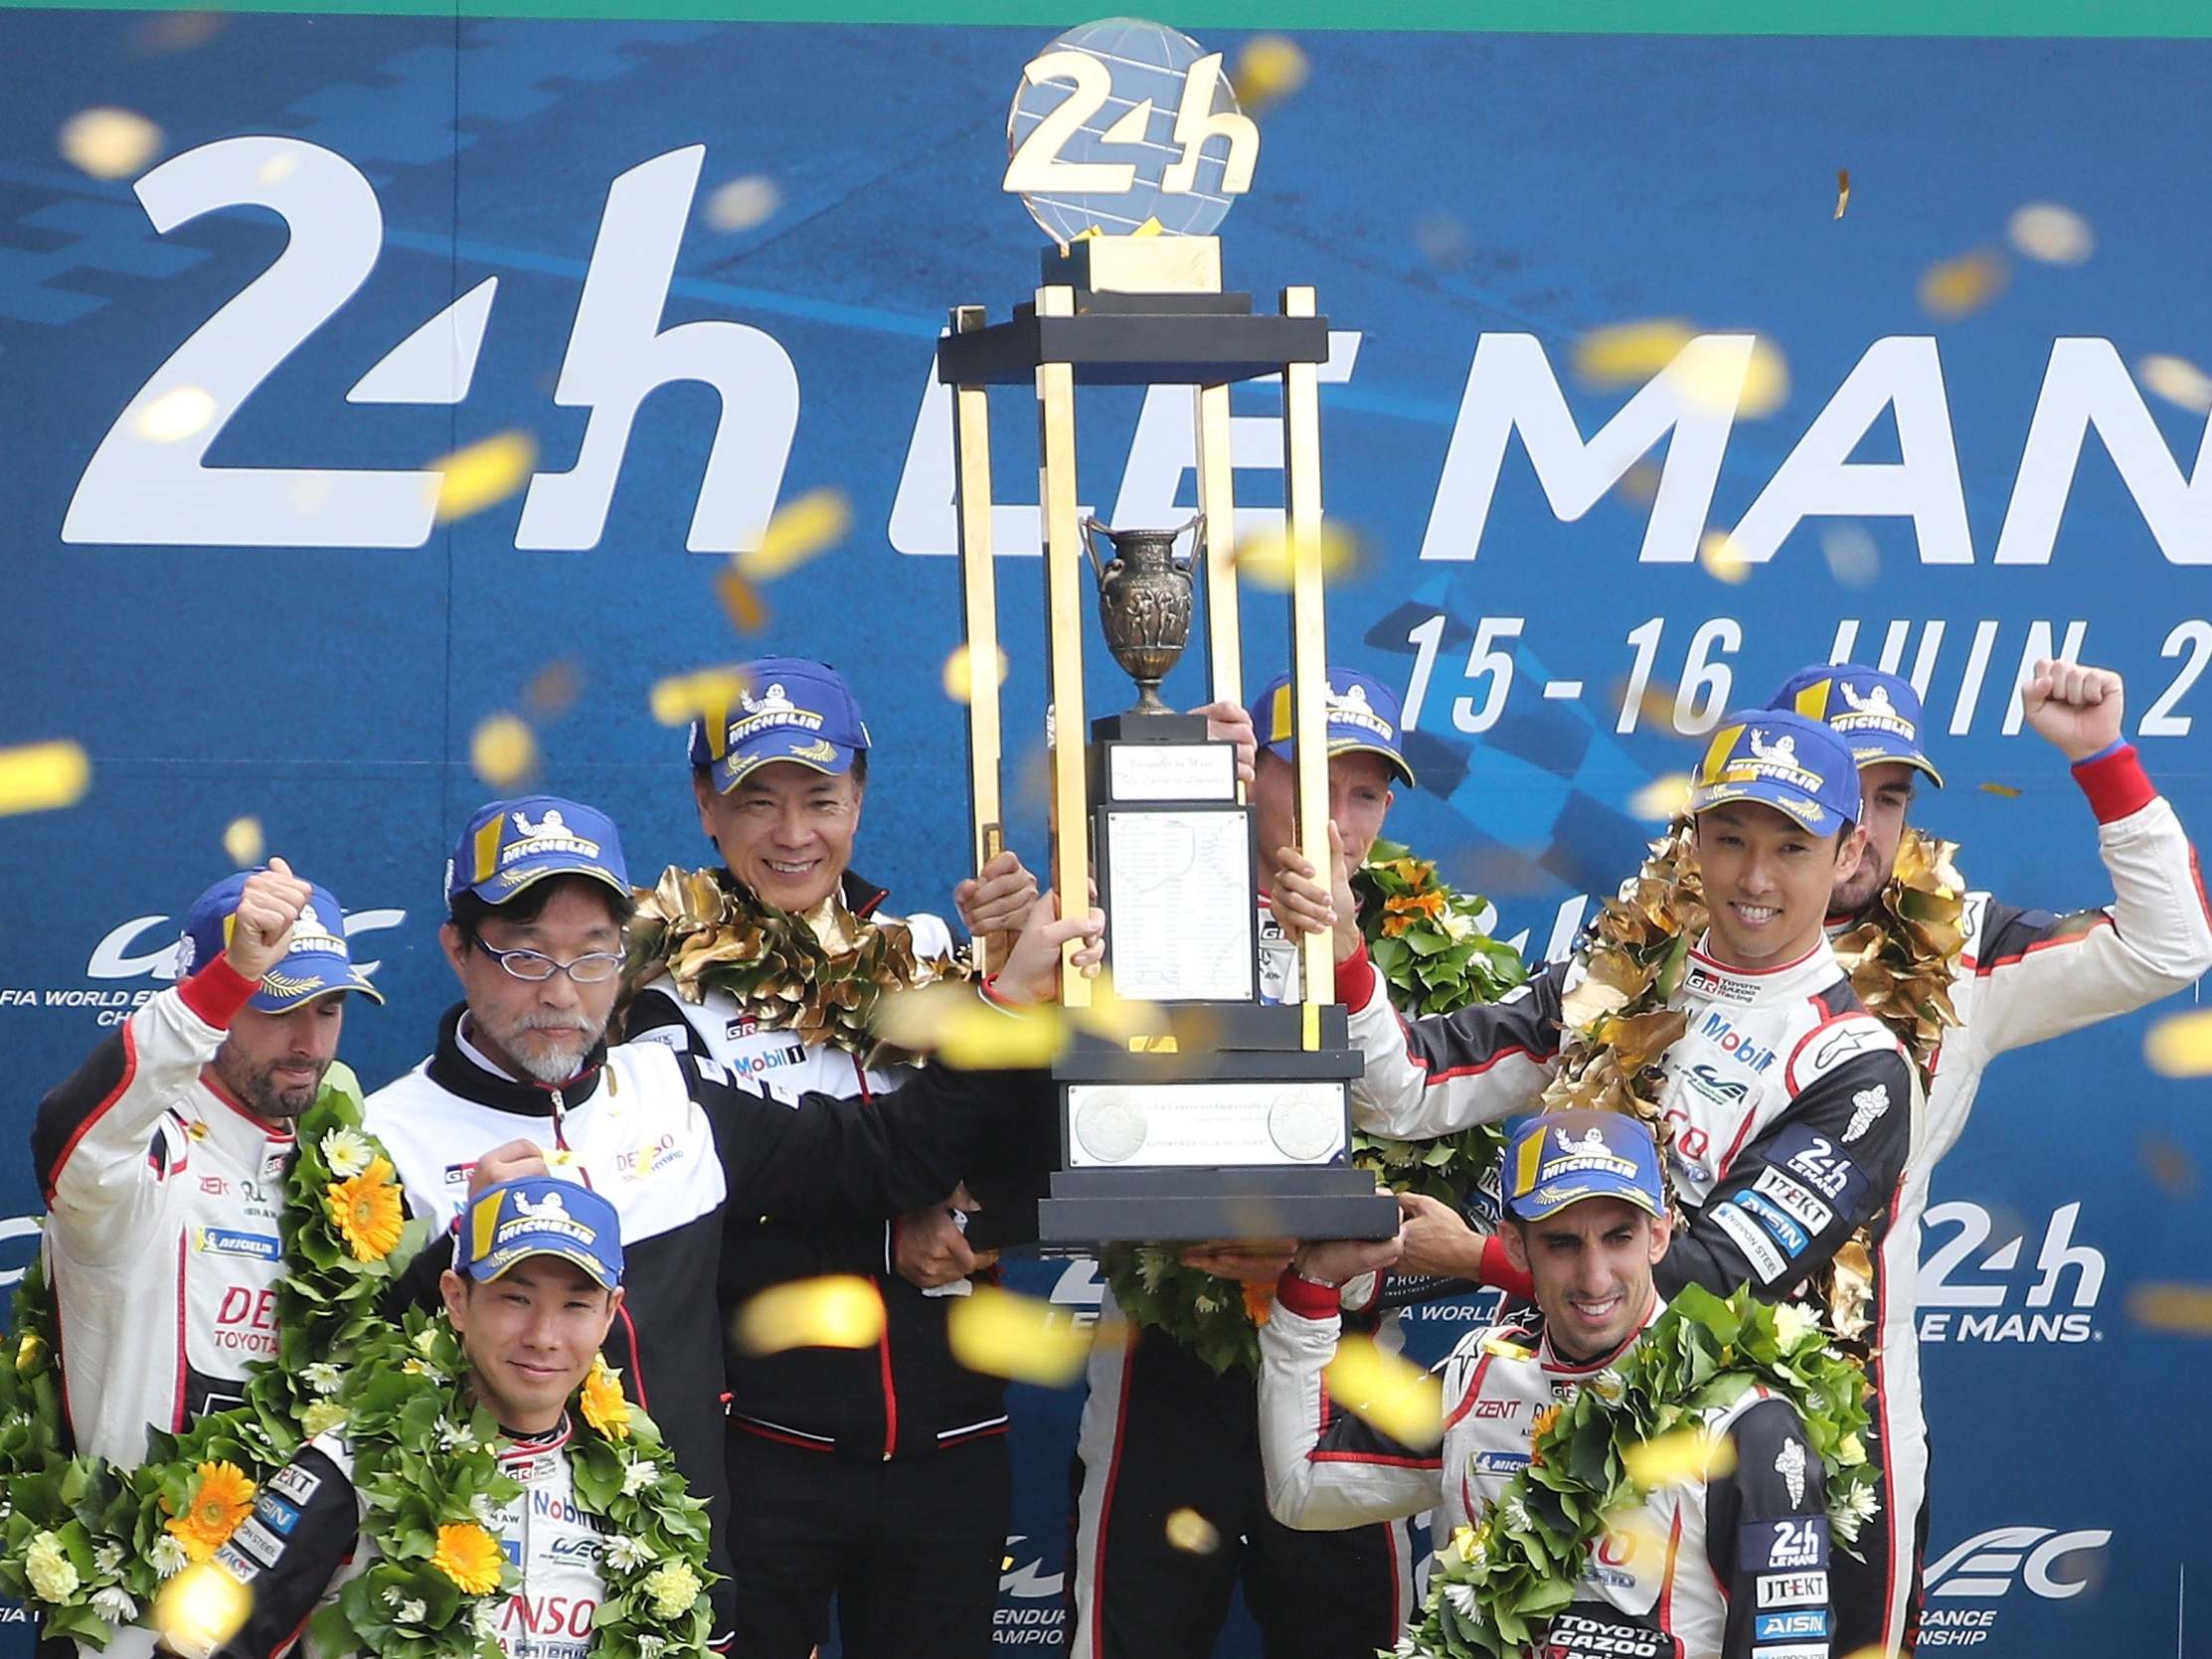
<point x="1235" y="1123"/>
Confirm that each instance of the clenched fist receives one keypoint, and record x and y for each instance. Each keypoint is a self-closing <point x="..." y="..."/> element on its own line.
<point x="262" y="927"/>
<point x="2074" y="708"/>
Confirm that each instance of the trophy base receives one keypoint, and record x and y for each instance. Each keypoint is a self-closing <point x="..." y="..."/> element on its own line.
<point x="1128" y="1206"/>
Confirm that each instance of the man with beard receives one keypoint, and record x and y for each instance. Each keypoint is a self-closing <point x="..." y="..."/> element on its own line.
<point x="2017" y="977"/>
<point x="163" y="1161"/>
<point x="538" y="897"/>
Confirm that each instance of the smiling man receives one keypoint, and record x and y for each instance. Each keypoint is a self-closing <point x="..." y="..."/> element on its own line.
<point x="1586" y="1218"/>
<point x="1790" y="1110"/>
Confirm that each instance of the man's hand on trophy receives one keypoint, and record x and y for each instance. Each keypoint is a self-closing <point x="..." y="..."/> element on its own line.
<point x="1340" y="1260"/>
<point x="1303" y="905"/>
<point x="1032" y="969"/>
<point x="2074" y="708"/>
<point x="1438" y="1241"/>
<point x="1232" y="723"/>
<point x="1247" y="1260"/>
<point x="996" y="900"/>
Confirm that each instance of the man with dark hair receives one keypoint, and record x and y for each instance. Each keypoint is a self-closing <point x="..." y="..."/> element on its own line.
<point x="1692" y="1570"/>
<point x="539" y="895"/>
<point x="2015" y="975"/>
<point x="1789" y="1109"/>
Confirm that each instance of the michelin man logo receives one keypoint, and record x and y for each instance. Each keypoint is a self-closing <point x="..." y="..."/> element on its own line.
<point x="1875" y="703"/>
<point x="548" y="1209"/>
<point x="1783" y="751"/>
<point x="1592" y="1141"/>
<point x="1351" y="708"/>
<point x="551" y="824"/>
<point x="186" y="951"/>
<point x="772" y="703"/>
<point x="1790" y="1463"/>
<point x="1866" y="1106"/>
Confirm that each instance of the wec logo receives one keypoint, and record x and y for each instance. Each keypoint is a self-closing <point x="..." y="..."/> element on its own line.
<point x="2055" y="1565"/>
<point x="1969" y="1292"/>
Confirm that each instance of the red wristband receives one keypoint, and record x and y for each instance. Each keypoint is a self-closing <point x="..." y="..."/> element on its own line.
<point x="1305" y="1297"/>
<point x="1355" y="979"/>
<point x="217" y="992"/>
<point x="1498" y="1271"/>
<point x="2116" y="783"/>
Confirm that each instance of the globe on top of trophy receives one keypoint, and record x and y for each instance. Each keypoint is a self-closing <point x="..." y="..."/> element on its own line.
<point x="1126" y="127"/>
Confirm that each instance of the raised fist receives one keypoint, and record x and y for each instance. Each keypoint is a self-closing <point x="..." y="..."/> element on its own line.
<point x="261" y="927"/>
<point x="2074" y="708"/>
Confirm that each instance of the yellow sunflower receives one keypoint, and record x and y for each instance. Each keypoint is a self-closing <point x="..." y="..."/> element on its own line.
<point x="1401" y="910"/>
<point x="469" y="1556"/>
<point x="1538" y="1426"/>
<point x="366" y="1211"/>
<point x="604" y="1409"/>
<point x="221" y="1498"/>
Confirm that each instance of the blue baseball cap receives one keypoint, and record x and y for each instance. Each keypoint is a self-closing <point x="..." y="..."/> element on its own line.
<point x="540" y="1214"/>
<point x="789" y="708"/>
<point x="1363" y="715"/>
<point x="1878" y="714"/>
<point x="317" y="963"/>
<point x="508" y="845"/>
<point x="1563" y="1157"/>
<point x="1786" y="760"/>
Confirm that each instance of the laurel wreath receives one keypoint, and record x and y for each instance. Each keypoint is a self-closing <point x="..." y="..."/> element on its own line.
<point x="1429" y="944"/>
<point x="1496" y="1586"/>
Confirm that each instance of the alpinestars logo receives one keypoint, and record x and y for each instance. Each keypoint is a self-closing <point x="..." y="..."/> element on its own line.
<point x="1992" y="1567"/>
<point x="1972" y="1293"/>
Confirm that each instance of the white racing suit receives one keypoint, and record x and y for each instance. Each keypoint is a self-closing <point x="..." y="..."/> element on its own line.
<point x="1794" y="1114"/>
<point x="1735" y="1566"/>
<point x="302" y="1544"/>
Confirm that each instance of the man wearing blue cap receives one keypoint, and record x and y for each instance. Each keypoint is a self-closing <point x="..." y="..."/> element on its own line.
<point x="163" y="1161"/>
<point x="1733" y="1564"/>
<point x="2016" y="975"/>
<point x="1788" y="1108"/>
<point x="536" y="1284"/>
<point x="539" y="894"/>
<point x="1162" y="1429"/>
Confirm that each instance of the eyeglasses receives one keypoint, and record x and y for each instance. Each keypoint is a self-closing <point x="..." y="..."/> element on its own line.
<point x="536" y="966"/>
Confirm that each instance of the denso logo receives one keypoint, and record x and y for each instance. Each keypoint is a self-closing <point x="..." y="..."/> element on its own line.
<point x="1721" y="1031"/>
<point x="2056" y="1565"/>
<point x="550" y="1616"/>
<point x="1969" y="1292"/>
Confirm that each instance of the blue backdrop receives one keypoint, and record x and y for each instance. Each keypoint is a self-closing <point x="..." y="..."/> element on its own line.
<point x="306" y="647"/>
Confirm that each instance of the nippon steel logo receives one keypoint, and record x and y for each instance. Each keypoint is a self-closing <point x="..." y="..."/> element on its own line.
<point x="1966" y="1585"/>
<point x="1984" y="1284"/>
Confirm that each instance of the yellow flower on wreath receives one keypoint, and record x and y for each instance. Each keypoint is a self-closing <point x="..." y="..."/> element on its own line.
<point x="469" y="1556"/>
<point x="1538" y="1426"/>
<point x="604" y="1409"/>
<point x="1401" y="910"/>
<point x="220" y="1498"/>
<point x="366" y="1211"/>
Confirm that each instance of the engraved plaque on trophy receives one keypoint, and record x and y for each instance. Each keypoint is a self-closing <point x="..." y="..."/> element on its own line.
<point x="1127" y="145"/>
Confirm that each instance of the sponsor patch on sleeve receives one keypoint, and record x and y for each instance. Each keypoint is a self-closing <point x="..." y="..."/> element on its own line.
<point x="1790" y="1626"/>
<point x="296" y="1483"/>
<point x="1792" y="1589"/>
<point x="1822" y="1163"/>
<point x="1807" y="1210"/>
<point x="669" y="1037"/>
<point x="1835" y="1044"/>
<point x="274" y="1513"/>
<point x="1587" y="1630"/>
<point x="1785" y="1544"/>
<point x="258" y="1542"/>
<point x="1792" y="1238"/>
<point x="1765" y="1261"/>
<point x="1791" y="1650"/>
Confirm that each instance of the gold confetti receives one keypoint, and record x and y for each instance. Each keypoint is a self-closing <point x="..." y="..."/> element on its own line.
<point x="2057" y="236"/>
<point x="503" y="749"/>
<point x="2177" y="380"/>
<point x="741" y="603"/>
<point x="1958" y="288"/>
<point x="484" y="473"/>
<point x="1264" y="559"/>
<point x="1717" y="554"/>
<point x="1117" y="1018"/>
<point x="1842" y="190"/>
<point x="1640" y="484"/>
<point x="2003" y="790"/>
<point x="1678" y="1459"/>
<point x="41" y="778"/>
<point x="201" y="1609"/>
<point x="841" y="1310"/>
<point x="2180" y="1045"/>
<point x="1708" y="384"/>
<point x="1026" y="1338"/>
<point x="178" y="30"/>
<point x="242" y="842"/>
<point x="1443" y="240"/>
<point x="959" y="674"/>
<point x="2182" y="1309"/>
<point x="1388" y="1391"/>
<point x="741" y="203"/>
<point x="1664" y="800"/>
<point x="683" y="698"/>
<point x="1269" y="70"/>
<point x="176" y="414"/>
<point x="1191" y="1533"/>
<point x="554" y="689"/>
<point x="798" y="530"/>
<point x="2169" y="1165"/>
<point x="1853" y="558"/>
<point x="1628" y="354"/>
<point x="966" y="1032"/>
<point x="109" y="143"/>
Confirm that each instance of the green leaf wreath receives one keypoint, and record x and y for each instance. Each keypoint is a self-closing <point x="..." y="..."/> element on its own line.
<point x="1427" y="942"/>
<point x="1494" y="1588"/>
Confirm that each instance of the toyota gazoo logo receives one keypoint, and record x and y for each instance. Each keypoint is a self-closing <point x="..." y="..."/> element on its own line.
<point x="1963" y="1584"/>
<point x="2018" y="1281"/>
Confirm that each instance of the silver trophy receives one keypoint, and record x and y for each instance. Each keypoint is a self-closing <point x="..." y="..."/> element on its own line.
<point x="1144" y="601"/>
